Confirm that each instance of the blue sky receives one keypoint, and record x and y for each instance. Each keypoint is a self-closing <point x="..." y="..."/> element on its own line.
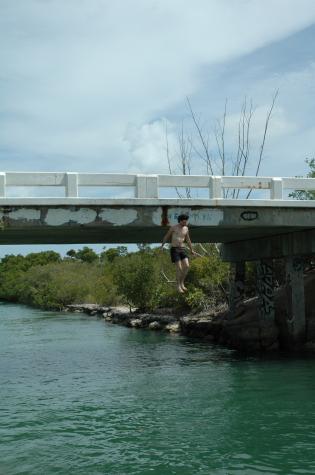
<point x="88" y="85"/>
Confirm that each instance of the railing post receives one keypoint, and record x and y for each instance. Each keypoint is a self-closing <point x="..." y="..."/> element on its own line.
<point x="215" y="187"/>
<point x="276" y="189"/>
<point x="141" y="186"/>
<point x="147" y="186"/>
<point x="152" y="186"/>
<point x="2" y="185"/>
<point x="72" y="185"/>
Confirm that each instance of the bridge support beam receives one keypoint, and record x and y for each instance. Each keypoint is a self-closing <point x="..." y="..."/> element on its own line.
<point x="270" y="247"/>
<point x="265" y="287"/>
<point x="237" y="285"/>
<point x="295" y="300"/>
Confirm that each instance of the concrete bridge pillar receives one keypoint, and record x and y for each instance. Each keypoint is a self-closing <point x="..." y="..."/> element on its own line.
<point x="295" y="300"/>
<point x="237" y="285"/>
<point x="265" y="287"/>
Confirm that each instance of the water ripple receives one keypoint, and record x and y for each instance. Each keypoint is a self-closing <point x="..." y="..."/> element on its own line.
<point x="81" y="396"/>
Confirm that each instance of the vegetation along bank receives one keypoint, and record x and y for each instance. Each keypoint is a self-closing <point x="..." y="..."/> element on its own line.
<point x="137" y="289"/>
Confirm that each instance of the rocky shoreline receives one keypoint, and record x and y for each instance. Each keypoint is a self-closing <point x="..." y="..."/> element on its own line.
<point x="239" y="333"/>
<point x="163" y="320"/>
<point x="245" y="331"/>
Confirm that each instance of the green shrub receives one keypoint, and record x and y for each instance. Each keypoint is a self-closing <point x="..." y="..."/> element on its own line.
<point x="210" y="275"/>
<point x="139" y="279"/>
<point x="136" y="278"/>
<point x="86" y="254"/>
<point x="54" y="286"/>
<point x="58" y="285"/>
<point x="197" y="300"/>
<point x="13" y="268"/>
<point x="306" y="195"/>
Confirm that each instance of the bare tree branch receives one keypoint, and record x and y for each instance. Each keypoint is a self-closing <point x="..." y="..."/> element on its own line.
<point x="264" y="136"/>
<point x="219" y="134"/>
<point x="201" y="137"/>
<point x="218" y="163"/>
<point x="246" y="139"/>
<point x="167" y="279"/>
<point x="169" y="158"/>
<point x="185" y="155"/>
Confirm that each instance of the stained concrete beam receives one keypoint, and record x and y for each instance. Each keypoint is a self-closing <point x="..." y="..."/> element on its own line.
<point x="97" y="222"/>
<point x="301" y="243"/>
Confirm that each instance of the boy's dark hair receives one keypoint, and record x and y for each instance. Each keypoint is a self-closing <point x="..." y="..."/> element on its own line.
<point x="181" y="217"/>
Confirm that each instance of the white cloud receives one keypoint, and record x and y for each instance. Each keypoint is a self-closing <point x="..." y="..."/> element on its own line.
<point x="76" y="74"/>
<point x="148" y="146"/>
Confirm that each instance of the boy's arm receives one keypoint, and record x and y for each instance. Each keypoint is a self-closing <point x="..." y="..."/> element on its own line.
<point x="167" y="236"/>
<point x="189" y="243"/>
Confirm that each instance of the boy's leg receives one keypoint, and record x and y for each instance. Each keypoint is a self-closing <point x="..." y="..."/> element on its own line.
<point x="179" y="272"/>
<point x="185" y="269"/>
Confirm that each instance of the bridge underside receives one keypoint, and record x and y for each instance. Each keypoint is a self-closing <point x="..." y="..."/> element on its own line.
<point x="125" y="235"/>
<point x="239" y="227"/>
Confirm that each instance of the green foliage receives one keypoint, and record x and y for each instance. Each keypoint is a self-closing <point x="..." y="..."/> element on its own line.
<point x="207" y="281"/>
<point x="111" y="254"/>
<point x="144" y="279"/>
<point x="54" y="286"/>
<point x="143" y="247"/>
<point x="136" y="278"/>
<point x="197" y="300"/>
<point x="44" y="280"/>
<point x="10" y="283"/>
<point x="211" y="276"/>
<point x="32" y="259"/>
<point x="13" y="268"/>
<point x="86" y="254"/>
<point x="72" y="253"/>
<point x="306" y="195"/>
<point x="57" y="285"/>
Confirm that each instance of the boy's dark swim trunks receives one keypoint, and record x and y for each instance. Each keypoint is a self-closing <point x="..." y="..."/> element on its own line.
<point x="178" y="254"/>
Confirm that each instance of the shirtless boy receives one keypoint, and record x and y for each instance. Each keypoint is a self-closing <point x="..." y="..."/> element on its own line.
<point x="178" y="234"/>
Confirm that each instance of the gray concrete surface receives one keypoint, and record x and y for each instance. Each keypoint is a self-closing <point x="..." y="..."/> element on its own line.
<point x="93" y="223"/>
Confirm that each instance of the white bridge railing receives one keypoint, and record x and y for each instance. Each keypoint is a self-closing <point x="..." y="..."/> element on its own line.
<point x="147" y="186"/>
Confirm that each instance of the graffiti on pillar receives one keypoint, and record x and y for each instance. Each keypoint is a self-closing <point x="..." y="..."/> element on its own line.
<point x="249" y="215"/>
<point x="237" y="285"/>
<point x="265" y="289"/>
<point x="298" y="264"/>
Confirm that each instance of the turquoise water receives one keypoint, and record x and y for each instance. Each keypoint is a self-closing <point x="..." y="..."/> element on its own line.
<point x="79" y="396"/>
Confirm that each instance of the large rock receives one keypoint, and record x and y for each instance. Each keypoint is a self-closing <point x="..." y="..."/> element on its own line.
<point x="249" y="332"/>
<point x="136" y="323"/>
<point x="173" y="327"/>
<point x="89" y="308"/>
<point x="244" y="331"/>
<point x="119" y="315"/>
<point x="196" y="327"/>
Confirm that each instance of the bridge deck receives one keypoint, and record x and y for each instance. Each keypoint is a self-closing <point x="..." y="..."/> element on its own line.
<point x="100" y="221"/>
<point x="145" y="218"/>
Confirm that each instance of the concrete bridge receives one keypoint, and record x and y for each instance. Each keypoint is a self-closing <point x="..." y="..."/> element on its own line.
<point x="75" y="218"/>
<point x="249" y="229"/>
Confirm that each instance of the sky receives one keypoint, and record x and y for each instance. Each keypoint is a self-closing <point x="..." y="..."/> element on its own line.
<point x="93" y="85"/>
